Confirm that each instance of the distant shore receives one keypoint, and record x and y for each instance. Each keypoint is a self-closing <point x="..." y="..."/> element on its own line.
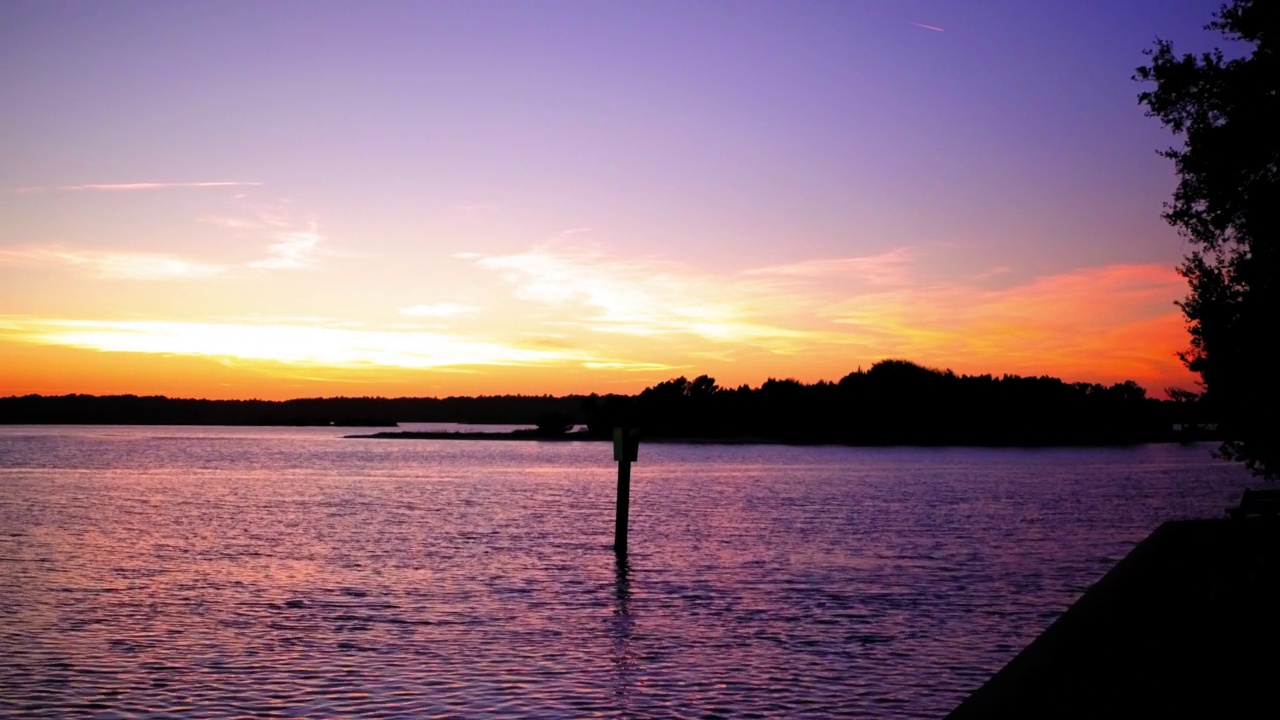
<point x="530" y="435"/>
<point x="462" y="435"/>
<point x="533" y="435"/>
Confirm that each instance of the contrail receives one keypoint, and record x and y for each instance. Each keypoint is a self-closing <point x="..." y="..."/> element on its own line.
<point x="926" y="27"/>
<point x="125" y="187"/>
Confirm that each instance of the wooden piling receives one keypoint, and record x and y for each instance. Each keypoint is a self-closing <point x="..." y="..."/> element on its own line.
<point x="626" y="446"/>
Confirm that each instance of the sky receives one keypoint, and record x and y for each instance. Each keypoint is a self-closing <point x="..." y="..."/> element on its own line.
<point x="300" y="199"/>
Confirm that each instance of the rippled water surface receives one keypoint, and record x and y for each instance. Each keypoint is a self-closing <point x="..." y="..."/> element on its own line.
<point x="155" y="572"/>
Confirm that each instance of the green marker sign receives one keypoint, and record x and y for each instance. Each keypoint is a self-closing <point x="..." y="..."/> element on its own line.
<point x="626" y="444"/>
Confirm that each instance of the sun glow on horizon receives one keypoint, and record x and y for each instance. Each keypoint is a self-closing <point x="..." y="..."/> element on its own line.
<point x="629" y="322"/>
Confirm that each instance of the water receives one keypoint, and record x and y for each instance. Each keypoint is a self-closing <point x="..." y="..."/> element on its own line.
<point x="197" y="572"/>
<point x="445" y="427"/>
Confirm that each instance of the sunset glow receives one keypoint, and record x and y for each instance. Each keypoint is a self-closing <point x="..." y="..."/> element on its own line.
<point x="442" y="202"/>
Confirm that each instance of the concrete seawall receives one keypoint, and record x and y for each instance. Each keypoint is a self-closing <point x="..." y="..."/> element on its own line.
<point x="1187" y="625"/>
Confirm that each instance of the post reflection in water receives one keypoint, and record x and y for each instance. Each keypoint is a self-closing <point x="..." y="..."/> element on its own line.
<point x="621" y="627"/>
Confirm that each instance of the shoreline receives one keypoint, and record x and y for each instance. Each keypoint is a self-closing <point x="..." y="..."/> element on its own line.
<point x="1181" y="627"/>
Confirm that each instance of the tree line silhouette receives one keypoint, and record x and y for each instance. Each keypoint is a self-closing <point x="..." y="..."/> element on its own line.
<point x="893" y="402"/>
<point x="900" y="402"/>
<point x="342" y="411"/>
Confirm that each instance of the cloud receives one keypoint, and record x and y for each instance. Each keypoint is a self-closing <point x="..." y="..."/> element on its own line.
<point x="231" y="222"/>
<point x="133" y="186"/>
<point x="113" y="264"/>
<point x="292" y="246"/>
<point x="282" y="342"/>
<point x="633" y="366"/>
<point x="293" y="250"/>
<point x="888" y="268"/>
<point x="640" y="297"/>
<point x="438" y="310"/>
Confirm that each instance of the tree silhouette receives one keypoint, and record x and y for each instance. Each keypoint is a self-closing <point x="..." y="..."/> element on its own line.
<point x="1227" y="205"/>
<point x="553" y="423"/>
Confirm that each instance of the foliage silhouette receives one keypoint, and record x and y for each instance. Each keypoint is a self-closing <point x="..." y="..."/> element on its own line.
<point x="554" y="423"/>
<point x="1227" y="204"/>
<point x="899" y="402"/>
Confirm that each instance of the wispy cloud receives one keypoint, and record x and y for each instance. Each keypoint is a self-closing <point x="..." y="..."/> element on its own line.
<point x="232" y="222"/>
<point x="292" y="244"/>
<point x="293" y="250"/>
<point x="934" y="28"/>
<point x="133" y="186"/>
<point x="633" y="366"/>
<point x="888" y="268"/>
<point x="111" y="264"/>
<point x="637" y="296"/>
<point x="438" y="310"/>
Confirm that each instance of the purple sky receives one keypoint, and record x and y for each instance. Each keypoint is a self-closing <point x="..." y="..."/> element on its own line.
<point x="716" y="137"/>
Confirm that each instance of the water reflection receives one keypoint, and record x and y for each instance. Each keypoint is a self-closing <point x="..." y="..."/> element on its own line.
<point x="622" y="626"/>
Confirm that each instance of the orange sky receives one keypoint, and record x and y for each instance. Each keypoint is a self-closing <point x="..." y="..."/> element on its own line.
<point x="563" y="319"/>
